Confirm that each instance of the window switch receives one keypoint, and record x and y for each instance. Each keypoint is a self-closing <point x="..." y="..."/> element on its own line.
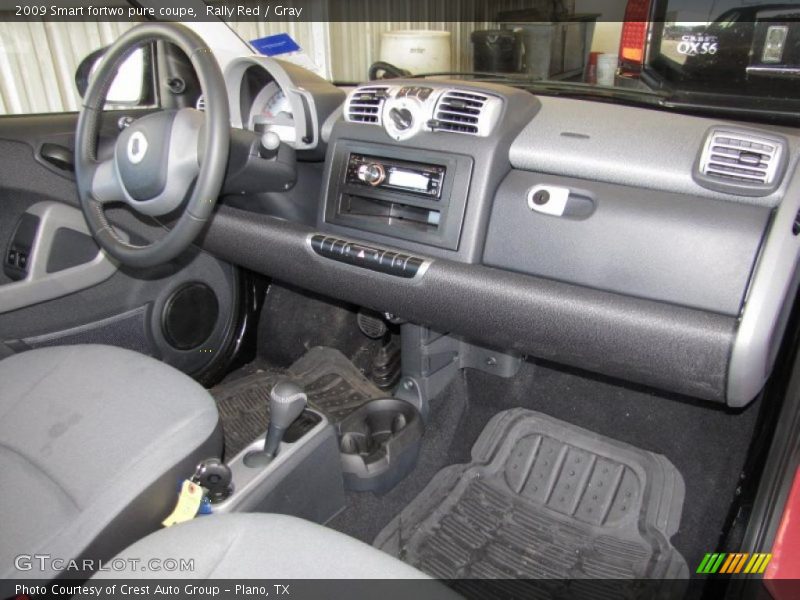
<point x="11" y="259"/>
<point x="22" y="260"/>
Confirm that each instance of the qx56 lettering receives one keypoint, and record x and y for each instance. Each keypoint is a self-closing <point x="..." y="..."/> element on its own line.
<point x="227" y="11"/>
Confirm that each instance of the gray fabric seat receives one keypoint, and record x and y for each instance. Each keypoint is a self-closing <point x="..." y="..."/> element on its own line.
<point x="261" y="546"/>
<point x="93" y="442"/>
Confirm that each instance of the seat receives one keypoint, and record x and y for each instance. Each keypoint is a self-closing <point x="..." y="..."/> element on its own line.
<point x="259" y="546"/>
<point x="93" y="442"/>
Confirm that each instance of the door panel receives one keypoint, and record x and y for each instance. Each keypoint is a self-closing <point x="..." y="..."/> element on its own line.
<point x="184" y="312"/>
<point x="51" y="254"/>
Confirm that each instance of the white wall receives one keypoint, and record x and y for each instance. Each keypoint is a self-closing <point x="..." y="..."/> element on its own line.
<point x="606" y="37"/>
<point x="608" y="30"/>
<point x="38" y="62"/>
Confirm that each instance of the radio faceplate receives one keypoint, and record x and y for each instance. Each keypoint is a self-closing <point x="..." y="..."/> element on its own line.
<point x="410" y="177"/>
<point x="405" y="193"/>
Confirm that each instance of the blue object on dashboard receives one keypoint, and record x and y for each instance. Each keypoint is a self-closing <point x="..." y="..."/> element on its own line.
<point x="272" y="45"/>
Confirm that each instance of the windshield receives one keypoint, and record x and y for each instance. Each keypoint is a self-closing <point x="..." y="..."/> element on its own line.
<point x="742" y="56"/>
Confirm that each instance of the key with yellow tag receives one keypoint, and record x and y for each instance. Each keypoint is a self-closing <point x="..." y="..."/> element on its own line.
<point x="189" y="499"/>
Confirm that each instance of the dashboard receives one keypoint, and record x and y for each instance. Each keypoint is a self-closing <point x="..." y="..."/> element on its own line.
<point x="650" y="246"/>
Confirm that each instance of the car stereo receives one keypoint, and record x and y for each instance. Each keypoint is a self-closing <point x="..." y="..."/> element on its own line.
<point x="402" y="176"/>
<point x="408" y="193"/>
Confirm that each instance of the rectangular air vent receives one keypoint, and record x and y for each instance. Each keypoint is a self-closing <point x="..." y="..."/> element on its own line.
<point x="466" y="112"/>
<point x="742" y="160"/>
<point x="364" y="104"/>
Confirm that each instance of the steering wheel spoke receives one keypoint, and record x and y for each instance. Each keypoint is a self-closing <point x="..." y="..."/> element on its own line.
<point x="106" y="186"/>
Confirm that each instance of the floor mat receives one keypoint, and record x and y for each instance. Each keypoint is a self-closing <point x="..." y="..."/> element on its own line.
<point x="333" y="384"/>
<point x="544" y="499"/>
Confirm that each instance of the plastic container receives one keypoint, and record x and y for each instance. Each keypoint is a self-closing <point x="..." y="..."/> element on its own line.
<point x="551" y="49"/>
<point x="417" y="51"/>
<point x="496" y="51"/>
<point x="606" y="69"/>
<point x="379" y="444"/>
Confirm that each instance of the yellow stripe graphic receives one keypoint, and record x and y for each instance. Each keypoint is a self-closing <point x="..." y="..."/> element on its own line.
<point x="759" y="562"/>
<point x="751" y="566"/>
<point x="763" y="566"/>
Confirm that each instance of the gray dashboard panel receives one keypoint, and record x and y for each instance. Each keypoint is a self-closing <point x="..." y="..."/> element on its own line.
<point x="622" y="144"/>
<point x="662" y="246"/>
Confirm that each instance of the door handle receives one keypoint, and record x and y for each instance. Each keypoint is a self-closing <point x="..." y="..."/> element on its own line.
<point x="59" y="156"/>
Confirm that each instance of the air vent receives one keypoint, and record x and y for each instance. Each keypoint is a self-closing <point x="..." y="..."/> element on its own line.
<point x="466" y="112"/>
<point x="742" y="160"/>
<point x="364" y="104"/>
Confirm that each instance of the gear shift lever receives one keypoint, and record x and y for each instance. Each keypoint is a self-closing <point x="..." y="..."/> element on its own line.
<point x="286" y="402"/>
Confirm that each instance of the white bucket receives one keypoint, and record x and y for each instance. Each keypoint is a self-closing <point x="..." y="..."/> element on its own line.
<point x="606" y="68"/>
<point x="417" y="51"/>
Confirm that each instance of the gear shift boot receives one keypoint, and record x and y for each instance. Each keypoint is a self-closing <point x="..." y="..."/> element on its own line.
<point x="286" y="403"/>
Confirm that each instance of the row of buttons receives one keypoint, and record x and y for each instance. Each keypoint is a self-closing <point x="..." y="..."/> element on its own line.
<point x="375" y="259"/>
<point x="17" y="258"/>
<point x="419" y="92"/>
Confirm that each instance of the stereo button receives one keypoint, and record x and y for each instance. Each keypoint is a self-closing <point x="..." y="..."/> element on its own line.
<point x="373" y="174"/>
<point x="411" y="267"/>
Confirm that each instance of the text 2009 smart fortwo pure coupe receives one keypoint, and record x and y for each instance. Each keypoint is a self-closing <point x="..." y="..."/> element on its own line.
<point x="475" y="327"/>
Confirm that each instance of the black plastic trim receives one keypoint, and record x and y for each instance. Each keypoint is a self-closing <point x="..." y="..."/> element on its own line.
<point x="658" y="344"/>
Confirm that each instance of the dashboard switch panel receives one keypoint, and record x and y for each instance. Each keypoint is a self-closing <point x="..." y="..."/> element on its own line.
<point x="369" y="257"/>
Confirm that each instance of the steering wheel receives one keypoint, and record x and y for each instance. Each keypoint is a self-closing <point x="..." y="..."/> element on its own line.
<point x="159" y="159"/>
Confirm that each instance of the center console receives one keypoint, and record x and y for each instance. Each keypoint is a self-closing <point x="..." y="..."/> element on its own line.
<point x="414" y="167"/>
<point x="303" y="479"/>
<point x="304" y="463"/>
<point x="410" y="176"/>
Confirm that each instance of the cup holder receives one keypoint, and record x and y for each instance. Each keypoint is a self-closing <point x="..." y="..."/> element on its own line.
<point x="379" y="444"/>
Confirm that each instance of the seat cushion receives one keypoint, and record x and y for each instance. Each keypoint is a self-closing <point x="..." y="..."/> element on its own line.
<point x="93" y="440"/>
<point x="262" y="546"/>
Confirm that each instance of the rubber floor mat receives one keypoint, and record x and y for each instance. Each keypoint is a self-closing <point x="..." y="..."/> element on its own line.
<point x="544" y="499"/>
<point x="334" y="386"/>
